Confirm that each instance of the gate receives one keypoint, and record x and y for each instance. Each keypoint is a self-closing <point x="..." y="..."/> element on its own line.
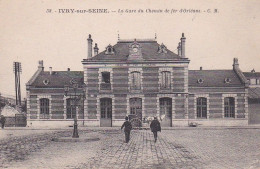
<point x="20" y="120"/>
<point x="136" y="112"/>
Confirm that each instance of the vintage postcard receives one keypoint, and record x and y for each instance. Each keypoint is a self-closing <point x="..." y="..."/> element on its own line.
<point x="129" y="84"/>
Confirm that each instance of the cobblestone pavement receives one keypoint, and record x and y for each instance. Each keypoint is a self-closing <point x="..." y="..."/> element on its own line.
<point x="192" y="148"/>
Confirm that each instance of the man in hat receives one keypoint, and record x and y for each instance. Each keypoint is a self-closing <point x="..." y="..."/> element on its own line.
<point x="127" y="129"/>
<point x="155" y="127"/>
<point x="2" y="120"/>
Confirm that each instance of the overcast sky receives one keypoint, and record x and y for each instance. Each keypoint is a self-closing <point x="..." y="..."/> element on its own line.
<point x="29" y="34"/>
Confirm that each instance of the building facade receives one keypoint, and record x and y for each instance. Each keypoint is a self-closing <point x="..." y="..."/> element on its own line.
<point x="47" y="104"/>
<point x="253" y="78"/>
<point x="141" y="79"/>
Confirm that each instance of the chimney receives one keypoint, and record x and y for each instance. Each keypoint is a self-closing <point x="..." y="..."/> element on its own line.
<point x="239" y="72"/>
<point x="68" y="69"/>
<point x="235" y="64"/>
<point x="89" y="46"/>
<point x="95" y="49"/>
<point x="183" y="46"/>
<point x="179" y="48"/>
<point x="50" y="68"/>
<point x="40" y="66"/>
<point x="201" y="68"/>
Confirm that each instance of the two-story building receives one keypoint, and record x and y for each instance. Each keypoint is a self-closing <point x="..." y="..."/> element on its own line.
<point x="141" y="78"/>
<point x="253" y="96"/>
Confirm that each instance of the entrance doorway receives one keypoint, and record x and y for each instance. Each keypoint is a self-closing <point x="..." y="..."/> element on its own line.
<point x="106" y="112"/>
<point x="166" y="112"/>
<point x="136" y="111"/>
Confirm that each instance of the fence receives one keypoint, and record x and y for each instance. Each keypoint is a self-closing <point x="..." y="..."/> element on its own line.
<point x="18" y="121"/>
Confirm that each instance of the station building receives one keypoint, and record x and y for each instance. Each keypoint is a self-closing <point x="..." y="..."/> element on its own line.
<point x="141" y="79"/>
<point x="253" y="78"/>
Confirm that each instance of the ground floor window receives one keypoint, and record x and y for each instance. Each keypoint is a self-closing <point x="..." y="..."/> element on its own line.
<point x="201" y="107"/>
<point x="44" y="106"/>
<point x="166" y="107"/>
<point x="229" y="107"/>
<point x="106" y="108"/>
<point x="71" y="109"/>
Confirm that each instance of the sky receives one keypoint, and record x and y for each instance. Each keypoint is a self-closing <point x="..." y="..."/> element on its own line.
<point x="28" y="33"/>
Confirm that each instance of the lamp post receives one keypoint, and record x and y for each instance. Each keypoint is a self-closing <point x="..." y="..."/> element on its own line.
<point x="75" y="96"/>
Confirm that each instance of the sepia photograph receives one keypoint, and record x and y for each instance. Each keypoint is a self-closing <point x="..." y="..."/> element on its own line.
<point x="171" y="84"/>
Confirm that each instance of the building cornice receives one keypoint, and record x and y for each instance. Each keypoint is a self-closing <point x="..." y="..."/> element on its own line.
<point x="240" y="87"/>
<point x="84" y="62"/>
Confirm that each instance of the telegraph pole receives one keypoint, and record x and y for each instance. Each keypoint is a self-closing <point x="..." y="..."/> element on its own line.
<point x="17" y="70"/>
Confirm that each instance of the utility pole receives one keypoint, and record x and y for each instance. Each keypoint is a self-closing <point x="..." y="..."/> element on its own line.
<point x="17" y="68"/>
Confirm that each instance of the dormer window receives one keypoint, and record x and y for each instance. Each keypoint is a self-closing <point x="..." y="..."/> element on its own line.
<point x="162" y="49"/>
<point x="227" y="80"/>
<point x="134" y="47"/>
<point x="135" y="51"/>
<point x="109" y="50"/>
<point x="46" y="81"/>
<point x="73" y="81"/>
<point x="200" y="81"/>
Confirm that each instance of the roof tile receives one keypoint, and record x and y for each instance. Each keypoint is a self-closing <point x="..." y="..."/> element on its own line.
<point x="213" y="78"/>
<point x="58" y="79"/>
<point x="149" y="52"/>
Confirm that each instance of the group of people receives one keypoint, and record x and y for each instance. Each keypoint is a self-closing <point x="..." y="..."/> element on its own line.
<point x="2" y="121"/>
<point x="155" y="127"/>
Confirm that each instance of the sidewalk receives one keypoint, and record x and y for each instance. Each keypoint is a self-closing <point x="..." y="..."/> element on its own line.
<point x="256" y="126"/>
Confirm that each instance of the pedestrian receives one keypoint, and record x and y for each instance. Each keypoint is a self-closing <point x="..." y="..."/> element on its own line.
<point x="155" y="127"/>
<point x="2" y="120"/>
<point x="127" y="129"/>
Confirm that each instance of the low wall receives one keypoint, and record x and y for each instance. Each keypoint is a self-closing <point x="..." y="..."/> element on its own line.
<point x="254" y="113"/>
<point x="118" y="123"/>
<point x="211" y="122"/>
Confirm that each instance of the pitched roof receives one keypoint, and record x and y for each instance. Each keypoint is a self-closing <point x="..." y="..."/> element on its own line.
<point x="58" y="79"/>
<point x="9" y="111"/>
<point x="249" y="75"/>
<point x="149" y="50"/>
<point x="213" y="78"/>
<point x="254" y="93"/>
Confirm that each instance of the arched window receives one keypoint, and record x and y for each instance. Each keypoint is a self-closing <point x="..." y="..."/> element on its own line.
<point x="135" y="80"/>
<point x="229" y="103"/>
<point x="201" y="107"/>
<point x="44" y="106"/>
<point x="166" y="80"/>
<point x="71" y="109"/>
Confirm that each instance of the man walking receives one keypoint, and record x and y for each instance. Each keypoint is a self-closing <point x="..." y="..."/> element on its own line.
<point x="155" y="127"/>
<point x="127" y="129"/>
<point x="2" y="120"/>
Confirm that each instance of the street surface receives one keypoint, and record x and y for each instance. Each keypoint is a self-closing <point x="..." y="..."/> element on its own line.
<point x="179" y="148"/>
